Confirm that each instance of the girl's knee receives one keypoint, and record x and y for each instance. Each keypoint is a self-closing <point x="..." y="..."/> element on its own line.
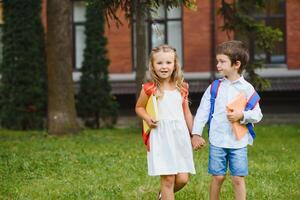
<point x="182" y="179"/>
<point x="168" y="181"/>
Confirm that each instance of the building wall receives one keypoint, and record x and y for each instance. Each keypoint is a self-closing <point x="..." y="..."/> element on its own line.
<point x="196" y="38"/>
<point x="44" y="14"/>
<point x="119" y="46"/>
<point x="293" y="33"/>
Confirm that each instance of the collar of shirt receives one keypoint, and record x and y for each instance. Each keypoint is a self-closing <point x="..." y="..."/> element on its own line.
<point x="239" y="80"/>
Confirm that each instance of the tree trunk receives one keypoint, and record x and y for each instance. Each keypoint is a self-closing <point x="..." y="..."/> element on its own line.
<point x="61" y="103"/>
<point x="141" y="50"/>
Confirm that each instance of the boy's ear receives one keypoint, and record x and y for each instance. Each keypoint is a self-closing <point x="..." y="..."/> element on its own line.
<point x="237" y="64"/>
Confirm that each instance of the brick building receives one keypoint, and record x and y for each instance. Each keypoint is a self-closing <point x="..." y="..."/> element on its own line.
<point x="193" y="34"/>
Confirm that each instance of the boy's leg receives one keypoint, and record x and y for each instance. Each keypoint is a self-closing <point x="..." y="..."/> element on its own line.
<point x="239" y="187"/>
<point x="238" y="165"/>
<point x="167" y="187"/>
<point x="181" y="180"/>
<point x="215" y="187"/>
<point x="217" y="167"/>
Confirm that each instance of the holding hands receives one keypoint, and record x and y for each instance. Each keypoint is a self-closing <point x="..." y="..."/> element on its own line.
<point x="197" y="142"/>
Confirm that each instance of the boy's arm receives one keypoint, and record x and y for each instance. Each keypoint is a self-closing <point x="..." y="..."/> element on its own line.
<point x="252" y="116"/>
<point x="140" y="109"/>
<point x="200" y="120"/>
<point x="202" y="113"/>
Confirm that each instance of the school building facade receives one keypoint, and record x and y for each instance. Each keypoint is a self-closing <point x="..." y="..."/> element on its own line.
<point x="194" y="34"/>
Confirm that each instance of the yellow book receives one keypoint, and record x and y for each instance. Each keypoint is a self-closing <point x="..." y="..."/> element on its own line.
<point x="151" y="109"/>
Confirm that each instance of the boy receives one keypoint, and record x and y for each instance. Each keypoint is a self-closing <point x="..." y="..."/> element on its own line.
<point x="224" y="148"/>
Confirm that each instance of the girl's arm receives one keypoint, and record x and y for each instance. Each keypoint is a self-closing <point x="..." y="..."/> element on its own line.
<point x="140" y="109"/>
<point x="188" y="115"/>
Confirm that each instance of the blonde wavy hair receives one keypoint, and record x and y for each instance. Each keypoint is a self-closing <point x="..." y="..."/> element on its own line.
<point x="176" y="75"/>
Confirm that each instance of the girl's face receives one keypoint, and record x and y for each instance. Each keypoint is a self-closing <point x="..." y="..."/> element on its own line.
<point x="164" y="64"/>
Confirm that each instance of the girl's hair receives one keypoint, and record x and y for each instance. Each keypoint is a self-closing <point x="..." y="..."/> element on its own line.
<point x="176" y="75"/>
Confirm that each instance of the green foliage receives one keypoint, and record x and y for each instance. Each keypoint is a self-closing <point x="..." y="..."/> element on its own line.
<point x="94" y="98"/>
<point x="23" y="70"/>
<point x="238" y="19"/>
<point x="112" y="164"/>
<point x="128" y="6"/>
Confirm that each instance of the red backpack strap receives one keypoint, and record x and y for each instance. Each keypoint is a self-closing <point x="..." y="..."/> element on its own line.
<point x="149" y="88"/>
<point x="184" y="91"/>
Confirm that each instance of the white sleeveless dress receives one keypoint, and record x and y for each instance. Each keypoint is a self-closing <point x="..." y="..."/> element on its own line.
<point x="170" y="143"/>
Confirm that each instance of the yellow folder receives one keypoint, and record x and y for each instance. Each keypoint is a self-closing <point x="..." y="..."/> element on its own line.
<point x="151" y="109"/>
<point x="238" y="103"/>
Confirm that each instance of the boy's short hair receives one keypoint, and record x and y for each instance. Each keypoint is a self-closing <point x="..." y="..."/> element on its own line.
<point x="236" y="51"/>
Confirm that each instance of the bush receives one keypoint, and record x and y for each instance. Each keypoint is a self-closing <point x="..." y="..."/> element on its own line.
<point x="94" y="100"/>
<point x="23" y="87"/>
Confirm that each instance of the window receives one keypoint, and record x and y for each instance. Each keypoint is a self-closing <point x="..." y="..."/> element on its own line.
<point x="79" y="10"/>
<point x="164" y="27"/>
<point x="273" y="15"/>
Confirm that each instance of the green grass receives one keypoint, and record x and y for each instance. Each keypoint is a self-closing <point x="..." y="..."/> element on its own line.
<point x="111" y="164"/>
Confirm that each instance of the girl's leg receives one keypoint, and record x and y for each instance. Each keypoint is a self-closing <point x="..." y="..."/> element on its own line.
<point x="167" y="183"/>
<point x="239" y="187"/>
<point x="181" y="180"/>
<point x="215" y="187"/>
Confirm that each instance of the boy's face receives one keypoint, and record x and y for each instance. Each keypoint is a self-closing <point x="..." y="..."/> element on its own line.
<point x="225" y="68"/>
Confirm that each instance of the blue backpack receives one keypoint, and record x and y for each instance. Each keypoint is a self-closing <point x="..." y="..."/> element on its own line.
<point x="253" y="100"/>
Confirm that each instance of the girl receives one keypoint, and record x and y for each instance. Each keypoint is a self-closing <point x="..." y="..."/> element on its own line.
<point x="170" y="152"/>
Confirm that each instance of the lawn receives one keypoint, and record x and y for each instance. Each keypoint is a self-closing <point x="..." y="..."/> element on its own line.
<point x="111" y="164"/>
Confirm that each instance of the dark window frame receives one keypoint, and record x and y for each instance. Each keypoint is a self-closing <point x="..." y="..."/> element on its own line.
<point x="267" y="18"/>
<point x="74" y="47"/>
<point x="163" y="21"/>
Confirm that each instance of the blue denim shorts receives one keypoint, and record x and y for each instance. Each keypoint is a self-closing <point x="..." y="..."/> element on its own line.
<point x="220" y="158"/>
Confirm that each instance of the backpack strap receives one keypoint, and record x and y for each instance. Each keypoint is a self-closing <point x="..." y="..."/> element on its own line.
<point x="213" y="95"/>
<point x="184" y="92"/>
<point x="253" y="100"/>
<point x="149" y="88"/>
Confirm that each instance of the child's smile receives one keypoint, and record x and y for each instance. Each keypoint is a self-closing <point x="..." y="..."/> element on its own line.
<point x="163" y="64"/>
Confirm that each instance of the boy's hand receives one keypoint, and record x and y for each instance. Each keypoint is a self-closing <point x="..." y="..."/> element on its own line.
<point x="152" y="123"/>
<point x="234" y="115"/>
<point x="197" y="142"/>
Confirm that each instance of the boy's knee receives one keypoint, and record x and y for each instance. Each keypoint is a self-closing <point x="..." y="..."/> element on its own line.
<point x="237" y="180"/>
<point x="219" y="179"/>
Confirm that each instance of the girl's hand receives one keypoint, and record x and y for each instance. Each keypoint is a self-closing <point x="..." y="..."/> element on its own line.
<point x="152" y="123"/>
<point x="197" y="142"/>
<point x="234" y="115"/>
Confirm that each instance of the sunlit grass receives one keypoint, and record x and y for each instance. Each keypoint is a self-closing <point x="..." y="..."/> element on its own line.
<point x="111" y="164"/>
